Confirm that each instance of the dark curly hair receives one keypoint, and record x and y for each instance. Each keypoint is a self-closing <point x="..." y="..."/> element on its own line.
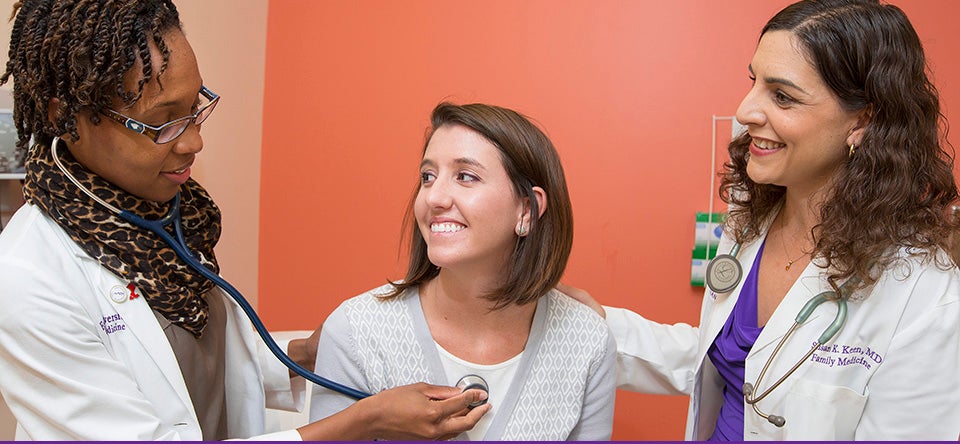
<point x="895" y="191"/>
<point x="530" y="160"/>
<point x="78" y="51"/>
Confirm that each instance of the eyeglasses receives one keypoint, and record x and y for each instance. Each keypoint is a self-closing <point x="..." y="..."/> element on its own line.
<point x="174" y="128"/>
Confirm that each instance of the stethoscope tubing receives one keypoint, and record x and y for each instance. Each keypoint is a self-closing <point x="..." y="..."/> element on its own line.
<point x="179" y="247"/>
<point x="729" y="283"/>
<point x="825" y="337"/>
<point x="183" y="252"/>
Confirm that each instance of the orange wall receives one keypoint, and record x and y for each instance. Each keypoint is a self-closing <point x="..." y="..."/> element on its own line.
<point x="626" y="90"/>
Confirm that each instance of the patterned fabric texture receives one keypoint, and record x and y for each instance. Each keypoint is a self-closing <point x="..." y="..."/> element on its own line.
<point x="135" y="254"/>
<point x="560" y="358"/>
<point x="569" y="346"/>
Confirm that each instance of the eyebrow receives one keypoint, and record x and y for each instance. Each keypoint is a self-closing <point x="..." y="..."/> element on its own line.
<point x="779" y="80"/>
<point x="163" y="105"/>
<point x="458" y="161"/>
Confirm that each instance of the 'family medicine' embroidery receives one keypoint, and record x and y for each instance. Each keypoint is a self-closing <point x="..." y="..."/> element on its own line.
<point x="838" y="355"/>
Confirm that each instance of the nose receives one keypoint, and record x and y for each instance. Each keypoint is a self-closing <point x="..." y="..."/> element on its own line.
<point x="750" y="111"/>
<point x="190" y="142"/>
<point x="437" y="195"/>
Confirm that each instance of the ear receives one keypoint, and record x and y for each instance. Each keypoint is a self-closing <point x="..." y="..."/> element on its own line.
<point x="541" y="196"/>
<point x="856" y="133"/>
<point x="541" y="200"/>
<point x="53" y="109"/>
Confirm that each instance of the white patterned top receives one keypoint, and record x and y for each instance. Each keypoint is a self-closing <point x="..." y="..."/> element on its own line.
<point x="564" y="385"/>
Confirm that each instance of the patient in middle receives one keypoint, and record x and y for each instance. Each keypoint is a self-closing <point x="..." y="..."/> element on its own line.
<point x="491" y="229"/>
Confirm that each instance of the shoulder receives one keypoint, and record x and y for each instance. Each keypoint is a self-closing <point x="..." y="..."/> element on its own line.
<point x="574" y="320"/>
<point x="29" y="230"/>
<point x="47" y="283"/>
<point x="374" y="301"/>
<point x="916" y="285"/>
<point x="566" y="306"/>
<point x="911" y="268"/>
<point x="39" y="262"/>
<point x="370" y="309"/>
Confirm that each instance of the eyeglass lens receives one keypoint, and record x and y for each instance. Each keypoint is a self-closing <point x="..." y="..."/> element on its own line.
<point x="174" y="130"/>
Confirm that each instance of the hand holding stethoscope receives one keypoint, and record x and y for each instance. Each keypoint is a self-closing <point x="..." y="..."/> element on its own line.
<point x="724" y="273"/>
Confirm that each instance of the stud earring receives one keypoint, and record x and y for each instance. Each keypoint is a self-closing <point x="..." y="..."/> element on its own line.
<point x="853" y="149"/>
<point x="521" y="229"/>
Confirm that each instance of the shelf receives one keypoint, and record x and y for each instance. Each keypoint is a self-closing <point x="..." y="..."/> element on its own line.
<point x="12" y="176"/>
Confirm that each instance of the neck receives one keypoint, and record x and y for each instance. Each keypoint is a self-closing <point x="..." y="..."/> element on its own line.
<point x="462" y="321"/>
<point x="456" y="295"/>
<point x="791" y="231"/>
<point x="800" y="213"/>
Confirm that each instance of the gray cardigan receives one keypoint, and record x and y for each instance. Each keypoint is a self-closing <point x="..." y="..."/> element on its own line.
<point x="563" y="389"/>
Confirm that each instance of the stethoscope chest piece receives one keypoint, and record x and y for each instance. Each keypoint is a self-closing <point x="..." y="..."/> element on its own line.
<point x="723" y="273"/>
<point x="473" y="382"/>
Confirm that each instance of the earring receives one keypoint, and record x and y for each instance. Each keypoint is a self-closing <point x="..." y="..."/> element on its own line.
<point x="521" y="229"/>
<point x="853" y="149"/>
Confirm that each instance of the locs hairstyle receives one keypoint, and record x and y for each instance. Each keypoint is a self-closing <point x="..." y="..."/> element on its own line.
<point x="78" y="51"/>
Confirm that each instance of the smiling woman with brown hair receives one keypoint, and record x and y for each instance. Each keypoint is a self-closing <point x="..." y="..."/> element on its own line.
<point x="491" y="230"/>
<point x="840" y="192"/>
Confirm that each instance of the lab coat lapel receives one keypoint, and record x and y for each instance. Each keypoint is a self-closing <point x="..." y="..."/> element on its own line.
<point x="723" y="303"/>
<point x="139" y="319"/>
<point x="810" y="283"/>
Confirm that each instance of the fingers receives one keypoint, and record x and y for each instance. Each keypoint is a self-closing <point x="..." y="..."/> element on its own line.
<point x="456" y="425"/>
<point x="567" y="290"/>
<point x="460" y="402"/>
<point x="436" y="391"/>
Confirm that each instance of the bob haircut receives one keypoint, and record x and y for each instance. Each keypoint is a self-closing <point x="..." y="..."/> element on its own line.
<point x="79" y="51"/>
<point x="895" y="189"/>
<point x="530" y="160"/>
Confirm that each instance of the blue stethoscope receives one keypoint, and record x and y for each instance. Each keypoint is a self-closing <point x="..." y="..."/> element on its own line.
<point x="724" y="273"/>
<point x="183" y="252"/>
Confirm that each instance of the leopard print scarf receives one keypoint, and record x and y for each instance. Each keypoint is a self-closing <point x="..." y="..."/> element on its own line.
<point x="134" y="254"/>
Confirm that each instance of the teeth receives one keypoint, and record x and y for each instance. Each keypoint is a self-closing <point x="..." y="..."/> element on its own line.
<point x="446" y="227"/>
<point x="767" y="145"/>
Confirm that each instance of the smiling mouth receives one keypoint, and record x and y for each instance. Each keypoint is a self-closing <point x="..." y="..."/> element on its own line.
<point x="179" y="171"/>
<point x="446" y="227"/>
<point x="764" y="144"/>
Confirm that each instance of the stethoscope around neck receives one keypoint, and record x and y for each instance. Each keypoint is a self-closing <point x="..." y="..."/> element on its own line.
<point x="183" y="252"/>
<point x="724" y="273"/>
<point x="179" y="246"/>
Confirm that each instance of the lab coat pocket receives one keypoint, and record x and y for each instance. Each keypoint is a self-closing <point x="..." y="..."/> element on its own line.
<point x="826" y="412"/>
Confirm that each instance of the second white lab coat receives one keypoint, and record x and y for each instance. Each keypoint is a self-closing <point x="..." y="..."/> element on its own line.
<point x="80" y="362"/>
<point x="892" y="373"/>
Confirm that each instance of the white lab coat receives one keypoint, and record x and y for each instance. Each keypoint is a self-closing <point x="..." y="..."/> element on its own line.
<point x="892" y="373"/>
<point x="77" y="365"/>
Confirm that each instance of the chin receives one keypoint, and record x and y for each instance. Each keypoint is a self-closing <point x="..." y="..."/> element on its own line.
<point x="757" y="175"/>
<point x="441" y="260"/>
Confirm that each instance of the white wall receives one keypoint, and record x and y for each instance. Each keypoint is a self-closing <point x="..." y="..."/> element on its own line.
<point x="230" y="42"/>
